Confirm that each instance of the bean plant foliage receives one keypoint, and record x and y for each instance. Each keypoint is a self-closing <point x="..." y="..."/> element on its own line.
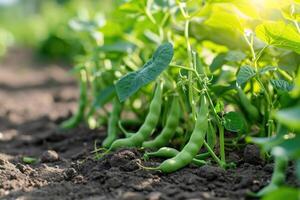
<point x="212" y="75"/>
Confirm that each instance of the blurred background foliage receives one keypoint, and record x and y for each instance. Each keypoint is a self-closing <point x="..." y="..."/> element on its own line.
<point x="45" y="25"/>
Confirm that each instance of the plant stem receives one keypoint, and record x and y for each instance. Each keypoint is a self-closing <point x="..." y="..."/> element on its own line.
<point x="222" y="146"/>
<point x="215" y="157"/>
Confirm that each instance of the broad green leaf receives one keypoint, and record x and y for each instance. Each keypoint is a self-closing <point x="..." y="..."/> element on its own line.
<point x="282" y="85"/>
<point x="235" y="56"/>
<point x="289" y="117"/>
<point x="225" y="16"/>
<point x="291" y="12"/>
<point x="246" y="73"/>
<point x="133" y="81"/>
<point x="217" y="62"/>
<point x="267" y="69"/>
<point x="234" y="122"/>
<point x="29" y="160"/>
<point x="280" y="35"/>
<point x="283" y="193"/>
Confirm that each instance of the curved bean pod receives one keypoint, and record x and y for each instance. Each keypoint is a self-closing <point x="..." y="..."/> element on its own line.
<point x="168" y="152"/>
<point x="79" y="115"/>
<point x="148" y="126"/>
<point x="191" y="149"/>
<point x="169" y="130"/>
<point x="114" y="117"/>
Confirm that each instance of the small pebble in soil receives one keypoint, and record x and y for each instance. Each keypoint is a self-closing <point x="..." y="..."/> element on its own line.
<point x="70" y="173"/>
<point x="24" y="169"/>
<point x="154" y="196"/>
<point x="49" y="156"/>
<point x="252" y="155"/>
<point x="2" y="162"/>
<point x="133" y="196"/>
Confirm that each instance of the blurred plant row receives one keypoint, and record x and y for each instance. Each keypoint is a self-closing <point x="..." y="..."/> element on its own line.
<point x="240" y="55"/>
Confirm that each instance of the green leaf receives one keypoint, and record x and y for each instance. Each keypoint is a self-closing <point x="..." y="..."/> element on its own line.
<point x="267" y="69"/>
<point x="289" y="117"/>
<point x="29" y="160"/>
<point x="282" y="85"/>
<point x="246" y="73"/>
<point x="133" y="81"/>
<point x="280" y="35"/>
<point x="283" y="193"/>
<point x="217" y="62"/>
<point x="235" y="56"/>
<point x="234" y="122"/>
<point x="104" y="96"/>
<point x="291" y="12"/>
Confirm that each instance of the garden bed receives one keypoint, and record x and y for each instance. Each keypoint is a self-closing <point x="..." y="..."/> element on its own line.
<point x="35" y="97"/>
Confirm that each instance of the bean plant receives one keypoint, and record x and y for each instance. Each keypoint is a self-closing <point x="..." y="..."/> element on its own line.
<point x="204" y="77"/>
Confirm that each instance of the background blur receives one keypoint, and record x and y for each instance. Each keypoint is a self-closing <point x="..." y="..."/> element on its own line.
<point x="46" y="26"/>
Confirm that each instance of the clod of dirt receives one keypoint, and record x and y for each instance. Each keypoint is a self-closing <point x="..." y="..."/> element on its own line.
<point x="70" y="173"/>
<point x="210" y="172"/>
<point x="133" y="196"/>
<point x="24" y="168"/>
<point x="49" y="156"/>
<point x="252" y="155"/>
<point x="121" y="158"/>
<point x="2" y="162"/>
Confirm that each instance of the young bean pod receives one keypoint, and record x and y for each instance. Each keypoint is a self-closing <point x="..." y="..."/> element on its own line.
<point x="168" y="152"/>
<point x="114" y="117"/>
<point x="190" y="150"/>
<point x="169" y="130"/>
<point x="79" y="115"/>
<point x="137" y="139"/>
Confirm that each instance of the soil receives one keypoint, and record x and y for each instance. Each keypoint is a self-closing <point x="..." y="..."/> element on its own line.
<point x="35" y="97"/>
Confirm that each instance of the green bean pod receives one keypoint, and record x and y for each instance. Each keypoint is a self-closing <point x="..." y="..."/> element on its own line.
<point x="112" y="132"/>
<point x="79" y="115"/>
<point x="190" y="150"/>
<point x="169" y="130"/>
<point x="137" y="139"/>
<point x="168" y="152"/>
<point x="278" y="177"/>
<point x="247" y="105"/>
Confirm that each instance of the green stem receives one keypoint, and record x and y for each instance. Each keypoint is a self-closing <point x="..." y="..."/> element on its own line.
<point x="222" y="146"/>
<point x="215" y="157"/>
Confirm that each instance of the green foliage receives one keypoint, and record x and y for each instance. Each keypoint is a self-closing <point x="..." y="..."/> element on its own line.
<point x="133" y="81"/>
<point x="280" y="35"/>
<point x="245" y="74"/>
<point x="234" y="122"/>
<point x="242" y="61"/>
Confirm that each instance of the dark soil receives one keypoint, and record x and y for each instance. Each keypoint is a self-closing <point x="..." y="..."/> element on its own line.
<point x="35" y="97"/>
